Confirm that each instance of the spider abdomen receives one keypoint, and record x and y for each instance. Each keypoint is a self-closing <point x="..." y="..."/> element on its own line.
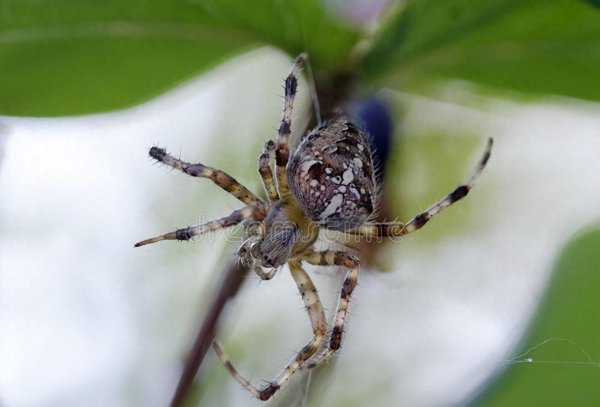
<point x="331" y="175"/>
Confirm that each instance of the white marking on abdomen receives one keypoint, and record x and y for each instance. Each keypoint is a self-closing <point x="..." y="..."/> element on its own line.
<point x="333" y="206"/>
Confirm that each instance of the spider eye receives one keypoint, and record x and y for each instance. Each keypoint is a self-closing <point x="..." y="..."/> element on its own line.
<point x="267" y="261"/>
<point x="332" y="177"/>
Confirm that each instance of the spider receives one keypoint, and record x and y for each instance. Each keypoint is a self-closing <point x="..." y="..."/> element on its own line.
<point x="328" y="181"/>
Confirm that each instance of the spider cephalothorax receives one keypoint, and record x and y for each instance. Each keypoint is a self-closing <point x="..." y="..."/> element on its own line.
<point x="327" y="182"/>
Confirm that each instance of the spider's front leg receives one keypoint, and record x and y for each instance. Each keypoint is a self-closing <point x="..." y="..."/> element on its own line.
<point x="352" y="263"/>
<point x="316" y="315"/>
<point x="190" y="232"/>
<point x="220" y="178"/>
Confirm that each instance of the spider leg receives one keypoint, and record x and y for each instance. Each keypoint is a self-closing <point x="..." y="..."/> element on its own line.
<point x="188" y="233"/>
<point x="393" y="229"/>
<point x="220" y="178"/>
<point x="282" y="150"/>
<point x="351" y="262"/>
<point x="266" y="173"/>
<point x="319" y="326"/>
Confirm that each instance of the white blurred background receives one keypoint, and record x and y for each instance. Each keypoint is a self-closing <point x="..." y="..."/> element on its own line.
<point x="86" y="320"/>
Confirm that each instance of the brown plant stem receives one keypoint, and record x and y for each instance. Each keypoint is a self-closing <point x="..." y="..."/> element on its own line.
<point x="228" y="287"/>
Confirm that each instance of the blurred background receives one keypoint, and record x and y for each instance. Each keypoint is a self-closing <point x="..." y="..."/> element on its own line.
<point x="495" y="302"/>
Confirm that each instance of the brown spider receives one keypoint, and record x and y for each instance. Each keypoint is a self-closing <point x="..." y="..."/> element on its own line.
<point x="327" y="182"/>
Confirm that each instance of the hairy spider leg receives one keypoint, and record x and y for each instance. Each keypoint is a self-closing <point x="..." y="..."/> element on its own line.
<point x="266" y="173"/>
<point x="190" y="232"/>
<point x="352" y="263"/>
<point x="218" y="177"/>
<point x="282" y="149"/>
<point x="316" y="314"/>
<point x="393" y="229"/>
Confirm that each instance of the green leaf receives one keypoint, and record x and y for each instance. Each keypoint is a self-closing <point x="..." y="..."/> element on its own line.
<point x="559" y="364"/>
<point x="539" y="47"/>
<point x="79" y="57"/>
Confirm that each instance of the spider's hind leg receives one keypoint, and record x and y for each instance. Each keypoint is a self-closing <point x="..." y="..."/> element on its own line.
<point x="282" y="149"/>
<point x="393" y="229"/>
